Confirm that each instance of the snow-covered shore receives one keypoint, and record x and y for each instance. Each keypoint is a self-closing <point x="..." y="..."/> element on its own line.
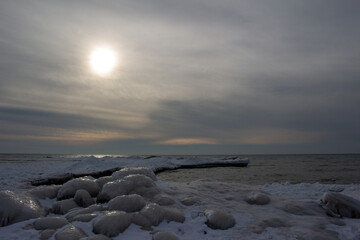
<point x="184" y="210"/>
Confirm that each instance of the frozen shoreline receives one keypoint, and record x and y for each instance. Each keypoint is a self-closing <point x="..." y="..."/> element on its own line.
<point x="292" y="212"/>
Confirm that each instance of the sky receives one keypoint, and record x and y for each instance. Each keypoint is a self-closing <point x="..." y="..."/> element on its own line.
<point x="192" y="77"/>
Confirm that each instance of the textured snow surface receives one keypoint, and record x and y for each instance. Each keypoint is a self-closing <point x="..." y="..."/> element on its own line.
<point x="179" y="210"/>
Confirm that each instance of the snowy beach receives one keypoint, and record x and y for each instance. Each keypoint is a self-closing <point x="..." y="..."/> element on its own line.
<point x="133" y="203"/>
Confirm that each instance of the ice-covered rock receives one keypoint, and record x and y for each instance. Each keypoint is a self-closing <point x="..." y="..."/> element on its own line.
<point x="69" y="188"/>
<point x="78" y="211"/>
<point x="50" y="223"/>
<point x="257" y="198"/>
<point x="161" y="235"/>
<point x="302" y="208"/>
<point x="112" y="223"/>
<point x="113" y="189"/>
<point x="103" y="180"/>
<point x="260" y="227"/>
<point x="217" y="219"/>
<point x="98" y="237"/>
<point x="63" y="206"/>
<point x="70" y="233"/>
<point x="127" y="203"/>
<point x="130" y="171"/>
<point x="16" y="208"/>
<point x="132" y="184"/>
<point x="83" y="198"/>
<point x="173" y="214"/>
<point x="46" y="234"/>
<point x="141" y="220"/>
<point x="340" y="205"/>
<point x="163" y="200"/>
<point x="83" y="217"/>
<point x="154" y="213"/>
<point x="188" y="201"/>
<point x="43" y="192"/>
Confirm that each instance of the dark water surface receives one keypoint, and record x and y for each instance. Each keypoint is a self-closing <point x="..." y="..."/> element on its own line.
<point x="263" y="169"/>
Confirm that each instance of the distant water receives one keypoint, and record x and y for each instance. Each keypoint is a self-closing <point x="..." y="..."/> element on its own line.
<point x="262" y="169"/>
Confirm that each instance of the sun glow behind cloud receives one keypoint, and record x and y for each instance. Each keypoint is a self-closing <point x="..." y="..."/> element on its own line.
<point x="103" y="60"/>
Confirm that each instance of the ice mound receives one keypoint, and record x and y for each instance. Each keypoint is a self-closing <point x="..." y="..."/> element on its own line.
<point x="141" y="220"/>
<point x="340" y="205"/>
<point x="64" y="206"/>
<point x="70" y="233"/>
<point x="46" y="234"/>
<point x="113" y="189"/>
<point x="69" y="188"/>
<point x="112" y="223"/>
<point x="78" y="211"/>
<point x="154" y="213"/>
<point x="127" y="203"/>
<point x="302" y="208"/>
<point x="257" y="198"/>
<point x="161" y="235"/>
<point x="50" y="223"/>
<point x="43" y="192"/>
<point x="217" y="219"/>
<point x="103" y="180"/>
<point x="271" y="222"/>
<point x="132" y="184"/>
<point x="83" y="198"/>
<point x="163" y="200"/>
<point x="189" y="201"/>
<point x="130" y="171"/>
<point x="173" y="214"/>
<point x="83" y="217"/>
<point x="16" y="208"/>
<point x="98" y="237"/>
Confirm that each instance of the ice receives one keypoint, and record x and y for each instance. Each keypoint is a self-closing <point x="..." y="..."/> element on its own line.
<point x="69" y="189"/>
<point x="218" y="219"/>
<point x="50" y="223"/>
<point x="18" y="207"/>
<point x="83" y="198"/>
<point x="339" y="205"/>
<point x="293" y="212"/>
<point x="112" y="223"/>
<point x="130" y="171"/>
<point x="70" y="233"/>
<point x="127" y="203"/>
<point x="64" y="206"/>
<point x="161" y="235"/>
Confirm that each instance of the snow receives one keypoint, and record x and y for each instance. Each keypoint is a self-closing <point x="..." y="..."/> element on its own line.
<point x="281" y="210"/>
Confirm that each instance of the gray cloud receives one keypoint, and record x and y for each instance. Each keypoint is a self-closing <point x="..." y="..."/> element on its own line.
<point x="189" y="69"/>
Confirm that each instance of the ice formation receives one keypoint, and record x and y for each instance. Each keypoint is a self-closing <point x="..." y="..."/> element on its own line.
<point x="218" y="219"/>
<point x="83" y="198"/>
<point x="339" y="205"/>
<point x="69" y="189"/>
<point x="112" y="223"/>
<point x="50" y="223"/>
<point x="127" y="203"/>
<point x="18" y="207"/>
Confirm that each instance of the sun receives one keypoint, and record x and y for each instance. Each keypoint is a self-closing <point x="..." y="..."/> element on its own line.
<point x="103" y="60"/>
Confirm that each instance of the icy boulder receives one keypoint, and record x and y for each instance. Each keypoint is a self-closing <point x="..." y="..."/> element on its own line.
<point x="98" y="237"/>
<point x="163" y="200"/>
<point x="83" y="217"/>
<point x="16" y="208"/>
<point x="69" y="189"/>
<point x="62" y="207"/>
<point x="113" y="189"/>
<point x="78" y="211"/>
<point x="217" y="219"/>
<point x="161" y="235"/>
<point x="141" y="220"/>
<point x="46" y="234"/>
<point x="103" y="180"/>
<point x="257" y="198"/>
<point x="173" y="214"/>
<point x="112" y="223"/>
<point x="83" y="198"/>
<point x="43" y="192"/>
<point x="132" y="184"/>
<point x="70" y="233"/>
<point x="130" y="171"/>
<point x="50" y="223"/>
<point x="340" y="205"/>
<point x="154" y="213"/>
<point x="127" y="203"/>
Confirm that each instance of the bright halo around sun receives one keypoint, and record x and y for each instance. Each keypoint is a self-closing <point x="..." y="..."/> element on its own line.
<point x="103" y="60"/>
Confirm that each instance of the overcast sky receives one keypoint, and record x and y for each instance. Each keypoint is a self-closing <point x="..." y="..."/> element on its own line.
<point x="193" y="77"/>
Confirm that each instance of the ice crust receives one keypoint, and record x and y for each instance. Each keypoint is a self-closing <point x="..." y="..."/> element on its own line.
<point x="184" y="211"/>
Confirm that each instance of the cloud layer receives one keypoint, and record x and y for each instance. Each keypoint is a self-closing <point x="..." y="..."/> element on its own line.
<point x="194" y="77"/>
